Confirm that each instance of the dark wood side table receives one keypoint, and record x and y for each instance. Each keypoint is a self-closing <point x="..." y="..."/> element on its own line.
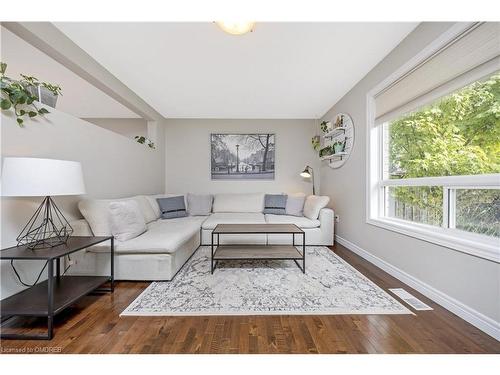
<point x="50" y="297"/>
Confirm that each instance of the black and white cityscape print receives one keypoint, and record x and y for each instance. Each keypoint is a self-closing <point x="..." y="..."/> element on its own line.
<point x="242" y="156"/>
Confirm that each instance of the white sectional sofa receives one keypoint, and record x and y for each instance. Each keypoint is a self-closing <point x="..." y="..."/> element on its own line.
<point x="161" y="251"/>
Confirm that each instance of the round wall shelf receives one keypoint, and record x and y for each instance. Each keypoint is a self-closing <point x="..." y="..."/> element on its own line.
<point x="337" y="142"/>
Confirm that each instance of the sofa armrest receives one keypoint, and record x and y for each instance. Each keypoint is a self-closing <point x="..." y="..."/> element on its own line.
<point x="326" y="216"/>
<point x="327" y="222"/>
<point x="81" y="228"/>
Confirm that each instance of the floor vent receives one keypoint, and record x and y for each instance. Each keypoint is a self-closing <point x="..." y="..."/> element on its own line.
<point x="414" y="302"/>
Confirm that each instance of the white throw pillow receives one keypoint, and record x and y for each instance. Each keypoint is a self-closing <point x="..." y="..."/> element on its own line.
<point x="146" y="209"/>
<point x="96" y="212"/>
<point x="314" y="204"/>
<point x="126" y="220"/>
<point x="295" y="204"/>
<point x="199" y="204"/>
<point x="238" y="203"/>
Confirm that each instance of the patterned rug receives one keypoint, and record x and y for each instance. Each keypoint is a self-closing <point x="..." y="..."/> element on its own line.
<point x="330" y="286"/>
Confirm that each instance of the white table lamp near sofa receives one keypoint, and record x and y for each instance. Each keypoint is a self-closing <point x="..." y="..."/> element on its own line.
<point x="33" y="177"/>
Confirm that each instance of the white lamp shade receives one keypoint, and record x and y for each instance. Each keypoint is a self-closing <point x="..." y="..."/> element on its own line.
<point x="33" y="177"/>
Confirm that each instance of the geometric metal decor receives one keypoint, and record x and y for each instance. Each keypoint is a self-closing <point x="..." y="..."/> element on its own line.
<point x="47" y="227"/>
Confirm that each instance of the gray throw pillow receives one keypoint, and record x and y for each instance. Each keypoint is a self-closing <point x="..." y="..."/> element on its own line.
<point x="172" y="207"/>
<point x="295" y="205"/>
<point x="199" y="204"/>
<point x="275" y="204"/>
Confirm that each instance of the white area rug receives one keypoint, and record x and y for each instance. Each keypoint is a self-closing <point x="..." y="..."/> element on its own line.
<point x="330" y="286"/>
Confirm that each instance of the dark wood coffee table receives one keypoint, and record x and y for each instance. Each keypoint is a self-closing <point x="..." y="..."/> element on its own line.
<point x="257" y="252"/>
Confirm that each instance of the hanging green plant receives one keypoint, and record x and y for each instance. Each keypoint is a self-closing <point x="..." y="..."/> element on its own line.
<point x="145" y="141"/>
<point x="315" y="142"/>
<point x="19" y="96"/>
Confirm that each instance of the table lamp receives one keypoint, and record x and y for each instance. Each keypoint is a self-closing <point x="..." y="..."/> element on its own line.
<point x="33" y="177"/>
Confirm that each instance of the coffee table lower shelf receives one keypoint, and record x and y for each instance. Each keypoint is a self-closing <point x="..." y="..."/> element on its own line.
<point x="257" y="252"/>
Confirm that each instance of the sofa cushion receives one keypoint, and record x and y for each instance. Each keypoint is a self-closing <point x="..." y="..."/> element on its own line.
<point x="233" y="218"/>
<point x="199" y="204"/>
<point x="295" y="204"/>
<point x="301" y="222"/>
<point x="152" y="199"/>
<point x="313" y="205"/>
<point x="96" y="212"/>
<point x="162" y="236"/>
<point x="238" y="203"/>
<point x="154" y="204"/>
<point x="126" y="220"/>
<point x="145" y="207"/>
<point x="275" y="204"/>
<point x="172" y="207"/>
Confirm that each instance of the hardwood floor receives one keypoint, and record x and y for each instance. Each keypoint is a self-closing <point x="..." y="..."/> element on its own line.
<point x="93" y="325"/>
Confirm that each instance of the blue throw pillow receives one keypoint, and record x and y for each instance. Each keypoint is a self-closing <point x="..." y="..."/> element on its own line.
<point x="275" y="204"/>
<point x="172" y="207"/>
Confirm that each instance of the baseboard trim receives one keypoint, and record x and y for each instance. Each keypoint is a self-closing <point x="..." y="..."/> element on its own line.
<point x="477" y="319"/>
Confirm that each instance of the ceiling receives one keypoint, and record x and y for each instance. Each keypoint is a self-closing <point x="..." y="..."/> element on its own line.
<point x="90" y="102"/>
<point x="280" y="70"/>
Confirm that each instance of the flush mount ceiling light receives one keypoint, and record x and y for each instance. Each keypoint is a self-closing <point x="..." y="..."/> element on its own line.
<point x="236" y="27"/>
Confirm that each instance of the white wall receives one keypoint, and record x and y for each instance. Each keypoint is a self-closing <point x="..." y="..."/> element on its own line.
<point x="113" y="166"/>
<point x="188" y="155"/>
<point x="129" y="127"/>
<point x="472" y="281"/>
<point x="79" y="97"/>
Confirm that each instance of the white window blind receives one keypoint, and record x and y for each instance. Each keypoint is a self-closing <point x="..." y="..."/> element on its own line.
<point x="474" y="53"/>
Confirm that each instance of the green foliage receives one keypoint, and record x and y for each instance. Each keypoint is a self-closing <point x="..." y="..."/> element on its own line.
<point x="457" y="135"/>
<point x="315" y="142"/>
<point x="16" y="95"/>
<point x="30" y="80"/>
<point x="325" y="126"/>
<point x="143" y="140"/>
<point x="54" y="89"/>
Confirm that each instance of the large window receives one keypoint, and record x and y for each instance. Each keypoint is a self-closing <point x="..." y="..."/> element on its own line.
<point x="434" y="167"/>
<point x="456" y="135"/>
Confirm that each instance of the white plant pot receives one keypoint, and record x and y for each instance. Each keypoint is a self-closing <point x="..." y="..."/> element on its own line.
<point x="43" y="95"/>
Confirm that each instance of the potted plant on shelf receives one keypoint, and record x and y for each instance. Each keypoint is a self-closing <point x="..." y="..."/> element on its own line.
<point x="16" y="96"/>
<point x="325" y="126"/>
<point x="46" y="93"/>
<point x="326" y="151"/>
<point x="338" y="147"/>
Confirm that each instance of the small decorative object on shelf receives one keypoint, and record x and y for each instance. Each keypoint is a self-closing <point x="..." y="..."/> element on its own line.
<point x="339" y="121"/>
<point x="339" y="147"/>
<point x="337" y="141"/>
<point x="144" y="141"/>
<point x="316" y="142"/>
<point x="325" y="126"/>
<point x="326" y="151"/>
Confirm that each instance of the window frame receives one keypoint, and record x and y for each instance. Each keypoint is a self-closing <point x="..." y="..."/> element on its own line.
<point x="471" y="243"/>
